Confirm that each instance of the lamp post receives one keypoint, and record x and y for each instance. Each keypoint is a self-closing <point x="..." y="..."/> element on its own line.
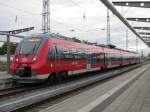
<point x="8" y="54"/>
<point x="108" y="28"/>
<point x="137" y="45"/>
<point x="108" y="34"/>
<point x="127" y="41"/>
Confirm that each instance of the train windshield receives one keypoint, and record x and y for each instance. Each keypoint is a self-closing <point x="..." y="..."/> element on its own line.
<point x="29" y="46"/>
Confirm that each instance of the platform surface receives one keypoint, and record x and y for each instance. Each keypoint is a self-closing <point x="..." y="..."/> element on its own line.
<point x="80" y="100"/>
<point x="4" y="75"/>
<point x="135" y="99"/>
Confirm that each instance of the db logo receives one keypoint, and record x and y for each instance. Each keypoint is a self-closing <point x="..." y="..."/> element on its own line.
<point x="24" y="59"/>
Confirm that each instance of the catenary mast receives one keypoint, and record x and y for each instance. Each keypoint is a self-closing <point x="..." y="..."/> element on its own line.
<point x="46" y="16"/>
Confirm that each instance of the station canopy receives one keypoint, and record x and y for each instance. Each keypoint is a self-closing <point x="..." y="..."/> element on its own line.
<point x="144" y="34"/>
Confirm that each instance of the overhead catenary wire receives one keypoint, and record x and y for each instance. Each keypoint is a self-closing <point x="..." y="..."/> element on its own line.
<point x="36" y="14"/>
<point x="76" y="4"/>
<point x="18" y="9"/>
<point x="61" y="23"/>
<point x="33" y="14"/>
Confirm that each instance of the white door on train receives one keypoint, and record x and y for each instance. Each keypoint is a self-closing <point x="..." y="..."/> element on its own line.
<point x="109" y="61"/>
<point x="88" y="67"/>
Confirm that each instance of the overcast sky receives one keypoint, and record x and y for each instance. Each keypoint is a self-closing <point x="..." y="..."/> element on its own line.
<point x="67" y="15"/>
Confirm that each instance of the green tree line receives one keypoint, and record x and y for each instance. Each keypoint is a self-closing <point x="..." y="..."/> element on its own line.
<point x="3" y="48"/>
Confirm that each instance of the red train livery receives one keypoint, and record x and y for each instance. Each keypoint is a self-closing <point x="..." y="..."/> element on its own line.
<point x="44" y="57"/>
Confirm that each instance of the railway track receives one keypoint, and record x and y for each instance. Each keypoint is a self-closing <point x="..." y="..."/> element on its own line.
<point x="21" y="89"/>
<point x="9" y="91"/>
<point x="20" y="98"/>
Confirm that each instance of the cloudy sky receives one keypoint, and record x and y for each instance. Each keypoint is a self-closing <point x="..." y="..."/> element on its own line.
<point x="67" y="15"/>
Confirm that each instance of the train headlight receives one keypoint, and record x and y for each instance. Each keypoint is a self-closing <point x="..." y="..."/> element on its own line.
<point x="17" y="59"/>
<point x="34" y="59"/>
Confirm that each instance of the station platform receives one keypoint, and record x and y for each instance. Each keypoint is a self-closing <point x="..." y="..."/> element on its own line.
<point x="4" y="75"/>
<point x="129" y="92"/>
<point x="6" y="81"/>
<point x="135" y="99"/>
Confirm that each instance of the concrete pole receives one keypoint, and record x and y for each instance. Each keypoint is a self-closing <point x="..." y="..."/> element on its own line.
<point x="137" y="46"/>
<point x="8" y="54"/>
<point x="127" y="41"/>
<point x="108" y="28"/>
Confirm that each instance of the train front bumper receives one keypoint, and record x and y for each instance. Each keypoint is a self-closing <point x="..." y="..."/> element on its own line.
<point x="33" y="79"/>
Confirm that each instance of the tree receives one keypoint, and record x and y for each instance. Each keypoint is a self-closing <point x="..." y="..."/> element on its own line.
<point x="3" y="49"/>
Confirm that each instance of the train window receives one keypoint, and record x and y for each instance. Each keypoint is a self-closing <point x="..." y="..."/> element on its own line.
<point x="29" y="46"/>
<point x="59" y="52"/>
<point x="85" y="54"/>
<point x="52" y="53"/>
<point x="68" y="53"/>
<point x="108" y="57"/>
<point x="68" y="56"/>
<point x="79" y="54"/>
<point x="100" y="58"/>
<point x="113" y="57"/>
<point x="97" y="58"/>
<point x="64" y="52"/>
<point x="93" y="58"/>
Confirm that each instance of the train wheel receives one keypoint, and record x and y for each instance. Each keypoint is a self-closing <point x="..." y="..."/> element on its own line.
<point x="64" y="75"/>
<point x="58" y="77"/>
<point x="51" y="79"/>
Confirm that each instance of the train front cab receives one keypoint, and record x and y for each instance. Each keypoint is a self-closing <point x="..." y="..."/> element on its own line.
<point x="29" y="63"/>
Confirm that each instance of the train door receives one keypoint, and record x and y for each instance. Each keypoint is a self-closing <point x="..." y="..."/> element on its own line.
<point x="54" y="59"/>
<point x="103" y="61"/>
<point x="57" y="58"/>
<point x="121" y="57"/>
<point x="109" y="60"/>
<point x="88" y="67"/>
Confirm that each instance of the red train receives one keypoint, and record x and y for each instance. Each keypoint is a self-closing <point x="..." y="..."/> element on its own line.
<point x="44" y="57"/>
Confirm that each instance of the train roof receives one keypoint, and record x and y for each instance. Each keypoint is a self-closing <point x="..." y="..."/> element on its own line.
<point x="92" y="48"/>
